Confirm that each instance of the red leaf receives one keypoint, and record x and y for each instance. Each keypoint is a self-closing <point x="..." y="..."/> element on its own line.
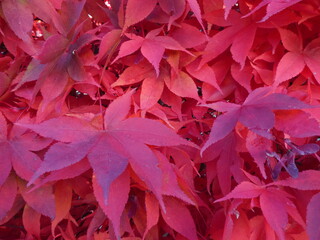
<point x="19" y="18"/>
<point x="179" y="218"/>
<point x="40" y="199"/>
<point x="245" y="190"/>
<point x="182" y="85"/>
<point x="63" y="198"/>
<point x="290" y="40"/>
<point x="5" y="82"/>
<point x="196" y="10"/>
<point x="174" y="8"/>
<point x="228" y="5"/>
<point x="152" y="210"/>
<point x="70" y="14"/>
<point x="118" y="110"/>
<point x="242" y="44"/>
<point x="274" y="210"/>
<point x="64" y="129"/>
<point x="311" y="57"/>
<point x="129" y="47"/>
<point x="313" y="219"/>
<point x="153" y="52"/>
<point x="149" y="131"/>
<point x="137" y="10"/>
<point x="145" y="164"/>
<point x="222" y="126"/>
<point x="108" y="163"/>
<point x="31" y="221"/>
<point x="273" y="7"/>
<point x="188" y="36"/>
<point x="290" y="65"/>
<point x="8" y="192"/>
<point x="170" y="186"/>
<point x="287" y="121"/>
<point x="135" y="74"/>
<point x="257" y="117"/>
<point x="276" y="101"/>
<point x="3" y="127"/>
<point x="72" y="171"/>
<point x="151" y="91"/>
<point x="257" y="147"/>
<point x="5" y="162"/>
<point x="118" y="197"/>
<point x="53" y="48"/>
<point x="205" y="74"/>
<point x="307" y="180"/>
<point x="218" y="44"/>
<point x="62" y="155"/>
<point x="108" y="42"/>
<point x="228" y="158"/>
<point x="260" y="102"/>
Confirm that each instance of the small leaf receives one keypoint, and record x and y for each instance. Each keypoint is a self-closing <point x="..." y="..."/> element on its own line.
<point x="245" y="190"/>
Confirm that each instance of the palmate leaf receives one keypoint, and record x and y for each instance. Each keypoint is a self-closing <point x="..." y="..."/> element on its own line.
<point x="110" y="151"/>
<point x="255" y="113"/>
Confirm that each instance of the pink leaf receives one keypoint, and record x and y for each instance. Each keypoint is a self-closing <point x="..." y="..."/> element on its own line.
<point x="275" y="6"/>
<point x="196" y="10"/>
<point x="245" y="190"/>
<point x="228" y="5"/>
<point x="40" y="199"/>
<point x="118" y="197"/>
<point x="182" y="85"/>
<point x="222" y="126"/>
<point x="153" y="52"/>
<point x="118" y="110"/>
<point x="287" y="121"/>
<point x="307" y="180"/>
<point x="149" y="131"/>
<point x="151" y="91"/>
<point x="274" y="210"/>
<point x="178" y="217"/>
<point x="137" y="10"/>
<point x="135" y="74"/>
<point x="313" y="218"/>
<point x="242" y="44"/>
<point x="152" y="212"/>
<point x="19" y="17"/>
<point x="31" y="221"/>
<point x="257" y="147"/>
<point x="3" y="127"/>
<point x="62" y="155"/>
<point x="8" y="191"/>
<point x="145" y="164"/>
<point x="290" y="65"/>
<point x="257" y="117"/>
<point x="64" y="129"/>
<point x="108" y="161"/>
<point x="188" y="36"/>
<point x="129" y="47"/>
<point x="70" y="14"/>
<point x="53" y="48"/>
<point x="290" y="40"/>
<point x="108" y="41"/>
<point x="204" y="73"/>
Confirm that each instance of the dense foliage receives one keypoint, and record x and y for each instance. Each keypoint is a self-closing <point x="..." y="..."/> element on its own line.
<point x="160" y="119"/>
